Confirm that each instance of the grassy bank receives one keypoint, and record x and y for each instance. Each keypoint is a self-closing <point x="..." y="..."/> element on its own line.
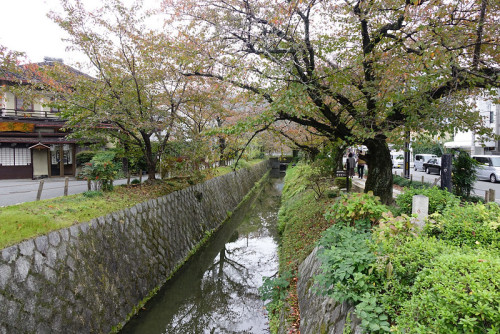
<point x="27" y="220"/>
<point x="300" y="223"/>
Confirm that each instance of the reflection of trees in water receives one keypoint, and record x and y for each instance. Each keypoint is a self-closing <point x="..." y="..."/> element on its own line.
<point x="225" y="295"/>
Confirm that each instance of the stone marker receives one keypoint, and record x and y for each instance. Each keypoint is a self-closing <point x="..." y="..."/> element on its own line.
<point x="420" y="206"/>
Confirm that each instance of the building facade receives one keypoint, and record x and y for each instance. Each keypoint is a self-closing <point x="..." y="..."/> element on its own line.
<point x="33" y="143"/>
<point x="472" y="143"/>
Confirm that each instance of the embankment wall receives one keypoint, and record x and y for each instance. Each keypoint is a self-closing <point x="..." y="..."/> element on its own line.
<point x="87" y="278"/>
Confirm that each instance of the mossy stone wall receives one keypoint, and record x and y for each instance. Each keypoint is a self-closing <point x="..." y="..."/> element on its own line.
<point x="87" y="278"/>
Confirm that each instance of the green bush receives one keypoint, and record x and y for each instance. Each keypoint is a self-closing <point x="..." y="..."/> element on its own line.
<point x="460" y="293"/>
<point x="341" y="182"/>
<point x="135" y="181"/>
<point x="274" y="290"/>
<point x="102" y="169"/>
<point x="438" y="200"/>
<point x="473" y="225"/>
<point x="84" y="157"/>
<point x="464" y="175"/>
<point x="348" y="259"/>
<point x="404" y="182"/>
<point x="357" y="210"/>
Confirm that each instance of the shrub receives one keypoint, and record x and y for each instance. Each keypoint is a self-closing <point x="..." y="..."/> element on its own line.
<point x="135" y="181"/>
<point x="464" y="175"/>
<point x="84" y="157"/>
<point x="438" y="200"/>
<point x="102" y="170"/>
<point x="356" y="209"/>
<point x="460" y="293"/>
<point x="473" y="225"/>
<point x="274" y="290"/>
<point x="341" y="182"/>
<point x="348" y="260"/>
<point x="404" y="182"/>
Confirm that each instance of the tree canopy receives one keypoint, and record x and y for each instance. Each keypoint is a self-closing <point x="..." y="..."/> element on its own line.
<point x="359" y="71"/>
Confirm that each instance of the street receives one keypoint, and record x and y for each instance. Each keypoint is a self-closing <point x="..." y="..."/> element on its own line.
<point x="25" y="190"/>
<point x="479" y="187"/>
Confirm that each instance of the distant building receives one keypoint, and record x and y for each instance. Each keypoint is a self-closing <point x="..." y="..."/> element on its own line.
<point x="471" y="142"/>
<point x="32" y="142"/>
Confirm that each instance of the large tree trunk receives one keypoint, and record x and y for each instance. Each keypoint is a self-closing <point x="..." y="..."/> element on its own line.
<point x="379" y="169"/>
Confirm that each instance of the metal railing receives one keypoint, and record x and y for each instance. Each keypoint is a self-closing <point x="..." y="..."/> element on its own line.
<point x="4" y="112"/>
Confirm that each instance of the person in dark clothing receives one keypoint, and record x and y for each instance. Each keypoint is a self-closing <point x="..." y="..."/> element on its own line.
<point x="361" y="165"/>
<point x="352" y="164"/>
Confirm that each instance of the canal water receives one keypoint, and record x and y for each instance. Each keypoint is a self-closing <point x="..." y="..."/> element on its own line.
<point x="216" y="291"/>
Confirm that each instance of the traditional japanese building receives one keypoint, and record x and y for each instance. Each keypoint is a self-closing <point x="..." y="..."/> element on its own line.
<point x="33" y="143"/>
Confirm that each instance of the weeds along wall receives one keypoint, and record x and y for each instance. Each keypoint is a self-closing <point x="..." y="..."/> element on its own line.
<point x="89" y="277"/>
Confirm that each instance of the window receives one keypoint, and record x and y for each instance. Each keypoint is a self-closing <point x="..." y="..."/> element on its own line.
<point x="6" y="156"/>
<point x="22" y="156"/>
<point x="15" y="156"/>
<point x="21" y="105"/>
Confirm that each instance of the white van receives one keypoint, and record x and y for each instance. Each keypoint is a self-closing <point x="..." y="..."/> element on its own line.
<point x="398" y="159"/>
<point x="420" y="159"/>
<point x="489" y="167"/>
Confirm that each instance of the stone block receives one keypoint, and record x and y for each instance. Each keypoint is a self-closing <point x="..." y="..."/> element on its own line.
<point x="27" y="247"/>
<point x="9" y="254"/>
<point x="420" y="206"/>
<point x="74" y="231"/>
<point x="39" y="262"/>
<point x="23" y="265"/>
<point x="51" y="257"/>
<point x="50" y="275"/>
<point x="5" y="275"/>
<point x="64" y="234"/>
<point x="42" y="244"/>
<point x="54" y="238"/>
<point x="32" y="284"/>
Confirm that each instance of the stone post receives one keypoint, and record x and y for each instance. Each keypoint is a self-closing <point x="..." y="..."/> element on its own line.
<point x="420" y="206"/>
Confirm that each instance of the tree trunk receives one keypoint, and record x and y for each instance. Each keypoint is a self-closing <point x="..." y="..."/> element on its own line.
<point x="379" y="169"/>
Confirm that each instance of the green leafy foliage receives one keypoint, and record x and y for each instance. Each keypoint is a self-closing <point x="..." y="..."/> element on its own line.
<point x="464" y="175"/>
<point x="102" y="169"/>
<point x="438" y="199"/>
<point x="348" y="260"/>
<point x="459" y="293"/>
<point x="274" y="290"/>
<point x="404" y="182"/>
<point x="84" y="157"/>
<point x="473" y="225"/>
<point x="356" y="209"/>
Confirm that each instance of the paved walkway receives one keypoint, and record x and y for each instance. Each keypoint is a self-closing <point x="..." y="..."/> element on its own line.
<point x="25" y="190"/>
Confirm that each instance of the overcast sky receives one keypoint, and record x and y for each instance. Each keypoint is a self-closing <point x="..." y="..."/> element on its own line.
<point x="26" y="28"/>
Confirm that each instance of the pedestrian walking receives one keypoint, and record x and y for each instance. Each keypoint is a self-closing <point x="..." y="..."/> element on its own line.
<point x="351" y="163"/>
<point x="361" y="164"/>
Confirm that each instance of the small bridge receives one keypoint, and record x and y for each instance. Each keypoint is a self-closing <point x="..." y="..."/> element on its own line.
<point x="281" y="163"/>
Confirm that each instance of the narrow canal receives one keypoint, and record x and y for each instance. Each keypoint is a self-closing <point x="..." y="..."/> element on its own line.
<point x="217" y="290"/>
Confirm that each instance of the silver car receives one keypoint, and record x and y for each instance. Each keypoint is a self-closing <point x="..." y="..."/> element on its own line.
<point x="489" y="167"/>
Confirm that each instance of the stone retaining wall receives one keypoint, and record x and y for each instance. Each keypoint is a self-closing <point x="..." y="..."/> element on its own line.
<point x="89" y="277"/>
<point x="321" y="314"/>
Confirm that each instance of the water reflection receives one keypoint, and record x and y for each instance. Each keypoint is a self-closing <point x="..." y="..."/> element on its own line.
<point x="217" y="291"/>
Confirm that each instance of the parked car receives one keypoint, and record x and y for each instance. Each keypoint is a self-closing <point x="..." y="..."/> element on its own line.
<point x="433" y="166"/>
<point x="489" y="167"/>
<point x="420" y="159"/>
<point x="398" y="159"/>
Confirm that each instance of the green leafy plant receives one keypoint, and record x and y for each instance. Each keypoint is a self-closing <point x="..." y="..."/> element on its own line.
<point x="274" y="290"/>
<point x="356" y="209"/>
<point x="438" y="200"/>
<point x="135" y="181"/>
<point x="102" y="170"/>
<point x="348" y="262"/>
<point x="83" y="157"/>
<point x="459" y="293"/>
<point x="404" y="182"/>
<point x="464" y="175"/>
<point x="473" y="225"/>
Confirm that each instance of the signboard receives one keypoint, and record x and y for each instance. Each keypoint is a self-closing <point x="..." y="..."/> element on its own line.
<point x="16" y="127"/>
